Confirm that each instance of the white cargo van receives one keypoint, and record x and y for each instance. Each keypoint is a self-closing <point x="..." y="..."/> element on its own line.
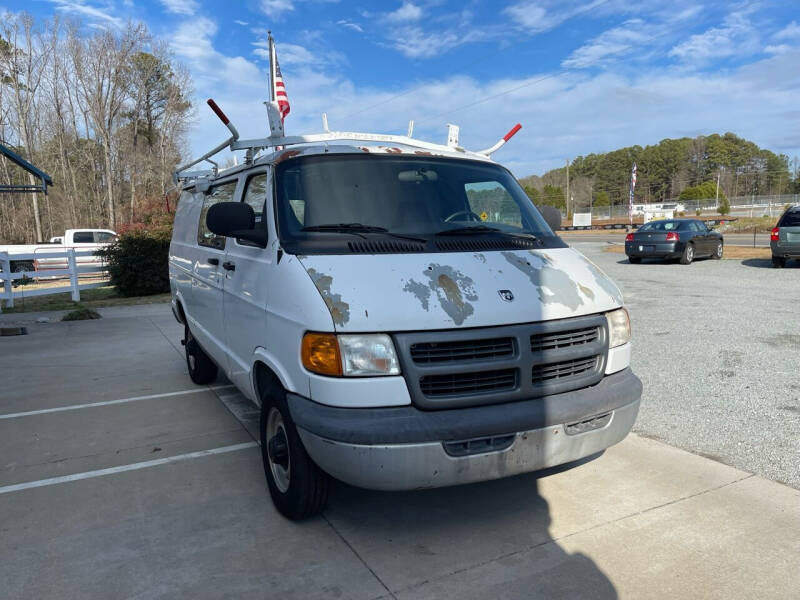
<point x="402" y="314"/>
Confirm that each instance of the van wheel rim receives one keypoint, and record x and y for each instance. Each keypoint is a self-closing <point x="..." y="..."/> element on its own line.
<point x="689" y="253"/>
<point x="719" y="249"/>
<point x="278" y="450"/>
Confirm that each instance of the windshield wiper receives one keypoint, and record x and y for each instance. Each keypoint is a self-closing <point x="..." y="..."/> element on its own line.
<point x="478" y="229"/>
<point x="344" y="227"/>
<point x="469" y="230"/>
<point x="360" y="228"/>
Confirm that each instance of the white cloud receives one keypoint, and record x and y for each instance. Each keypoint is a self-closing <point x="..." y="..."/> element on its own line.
<point x="562" y="114"/>
<point x="91" y="12"/>
<point x="610" y="44"/>
<point x="414" y="42"/>
<point x="790" y="32"/>
<point x="288" y="54"/>
<point x="350" y="25"/>
<point x="276" y="8"/>
<point x="181" y="7"/>
<point x="536" y="16"/>
<point x="408" y="11"/>
<point x="778" y="49"/>
<point x="242" y="23"/>
<point x="737" y="36"/>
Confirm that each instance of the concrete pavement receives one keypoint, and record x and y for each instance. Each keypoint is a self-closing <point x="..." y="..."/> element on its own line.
<point x="643" y="520"/>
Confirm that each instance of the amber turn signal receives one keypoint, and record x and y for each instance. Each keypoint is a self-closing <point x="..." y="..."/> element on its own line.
<point x="320" y="354"/>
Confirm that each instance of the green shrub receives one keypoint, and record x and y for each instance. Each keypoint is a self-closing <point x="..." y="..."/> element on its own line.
<point x="137" y="263"/>
<point x="724" y="207"/>
<point x="81" y="314"/>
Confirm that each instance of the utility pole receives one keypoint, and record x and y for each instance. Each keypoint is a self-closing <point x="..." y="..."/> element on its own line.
<point x="716" y="198"/>
<point x="568" y="188"/>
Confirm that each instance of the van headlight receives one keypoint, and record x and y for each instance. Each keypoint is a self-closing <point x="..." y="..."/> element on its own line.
<point x="349" y="355"/>
<point x="619" y="327"/>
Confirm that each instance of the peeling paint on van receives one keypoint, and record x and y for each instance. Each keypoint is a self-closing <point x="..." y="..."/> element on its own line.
<point x="602" y="280"/>
<point x="560" y="287"/>
<point x="339" y="309"/>
<point x="454" y="290"/>
<point x="421" y="291"/>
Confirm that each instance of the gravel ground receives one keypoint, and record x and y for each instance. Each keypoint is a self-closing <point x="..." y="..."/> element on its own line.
<point x="717" y="346"/>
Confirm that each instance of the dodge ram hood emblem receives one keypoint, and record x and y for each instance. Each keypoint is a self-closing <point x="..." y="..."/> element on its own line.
<point x="506" y="295"/>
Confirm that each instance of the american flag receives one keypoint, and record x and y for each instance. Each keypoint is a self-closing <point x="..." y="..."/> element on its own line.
<point x="280" y="91"/>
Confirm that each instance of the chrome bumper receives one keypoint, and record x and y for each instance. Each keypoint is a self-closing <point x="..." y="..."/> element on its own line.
<point x="428" y="465"/>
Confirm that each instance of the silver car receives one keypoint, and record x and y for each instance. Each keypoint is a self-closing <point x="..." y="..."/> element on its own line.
<point x="785" y="238"/>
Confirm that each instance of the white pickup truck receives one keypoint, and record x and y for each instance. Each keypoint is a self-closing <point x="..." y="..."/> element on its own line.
<point x="80" y="239"/>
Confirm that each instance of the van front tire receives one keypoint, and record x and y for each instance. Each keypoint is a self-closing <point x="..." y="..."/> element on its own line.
<point x="202" y="369"/>
<point x="298" y="487"/>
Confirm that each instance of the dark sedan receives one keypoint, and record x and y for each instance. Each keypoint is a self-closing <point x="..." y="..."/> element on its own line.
<point x="684" y="239"/>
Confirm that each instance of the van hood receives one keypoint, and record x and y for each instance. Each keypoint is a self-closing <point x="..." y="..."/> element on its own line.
<point x="412" y="292"/>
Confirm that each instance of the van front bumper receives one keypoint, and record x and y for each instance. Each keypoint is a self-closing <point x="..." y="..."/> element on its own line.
<point x="406" y="448"/>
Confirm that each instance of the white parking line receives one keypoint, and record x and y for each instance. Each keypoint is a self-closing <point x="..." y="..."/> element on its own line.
<point x="109" y="402"/>
<point x="122" y="468"/>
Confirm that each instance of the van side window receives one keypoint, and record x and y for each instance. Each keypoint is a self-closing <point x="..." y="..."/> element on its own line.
<point x="219" y="193"/>
<point x="256" y="195"/>
<point x="492" y="203"/>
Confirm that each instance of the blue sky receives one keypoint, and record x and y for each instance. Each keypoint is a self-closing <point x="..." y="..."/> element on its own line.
<point x="581" y="76"/>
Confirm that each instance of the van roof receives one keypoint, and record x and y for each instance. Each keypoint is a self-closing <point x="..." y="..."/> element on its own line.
<point x="342" y="147"/>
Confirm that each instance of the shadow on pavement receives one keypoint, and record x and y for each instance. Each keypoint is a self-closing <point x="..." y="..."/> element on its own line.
<point x="766" y="263"/>
<point x="487" y="539"/>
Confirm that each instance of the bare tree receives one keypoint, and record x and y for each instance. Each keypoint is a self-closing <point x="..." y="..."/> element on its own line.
<point x="105" y="113"/>
<point x="100" y="64"/>
<point x="24" y="61"/>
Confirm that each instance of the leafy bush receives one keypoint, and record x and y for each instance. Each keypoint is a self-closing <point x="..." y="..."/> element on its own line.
<point x="704" y="191"/>
<point x="81" y="314"/>
<point x="724" y="207"/>
<point x="137" y="262"/>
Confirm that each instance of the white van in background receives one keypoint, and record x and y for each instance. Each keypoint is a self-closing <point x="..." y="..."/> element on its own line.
<point x="395" y="333"/>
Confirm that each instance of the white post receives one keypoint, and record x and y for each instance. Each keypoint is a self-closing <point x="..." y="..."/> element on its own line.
<point x="8" y="290"/>
<point x="73" y="275"/>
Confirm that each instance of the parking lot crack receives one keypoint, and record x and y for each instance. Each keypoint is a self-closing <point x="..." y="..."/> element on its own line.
<point x="358" y="556"/>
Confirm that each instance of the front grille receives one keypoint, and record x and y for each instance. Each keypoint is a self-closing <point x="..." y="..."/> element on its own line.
<point x="439" y="352"/>
<point x="563" y="339"/>
<point x="560" y="370"/>
<point x="480" y="382"/>
<point x="486" y="365"/>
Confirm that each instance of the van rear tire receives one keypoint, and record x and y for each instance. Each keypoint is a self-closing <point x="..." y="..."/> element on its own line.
<point x="202" y="369"/>
<point x="298" y="487"/>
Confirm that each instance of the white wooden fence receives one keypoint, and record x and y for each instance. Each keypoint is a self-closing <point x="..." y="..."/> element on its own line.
<point x="73" y="271"/>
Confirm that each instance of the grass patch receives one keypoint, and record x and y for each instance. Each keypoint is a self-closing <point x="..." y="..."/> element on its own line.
<point x="93" y="298"/>
<point x="747" y="224"/>
<point x="81" y="314"/>
<point x="730" y="252"/>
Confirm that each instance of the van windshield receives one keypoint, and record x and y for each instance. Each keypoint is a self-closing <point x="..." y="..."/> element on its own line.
<point x="335" y="195"/>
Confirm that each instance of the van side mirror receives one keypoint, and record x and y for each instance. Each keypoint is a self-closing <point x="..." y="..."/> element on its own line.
<point x="552" y="216"/>
<point x="236" y="220"/>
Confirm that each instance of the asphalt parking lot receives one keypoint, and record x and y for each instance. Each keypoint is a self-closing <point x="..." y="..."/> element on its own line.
<point x="121" y="479"/>
<point x="717" y="346"/>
